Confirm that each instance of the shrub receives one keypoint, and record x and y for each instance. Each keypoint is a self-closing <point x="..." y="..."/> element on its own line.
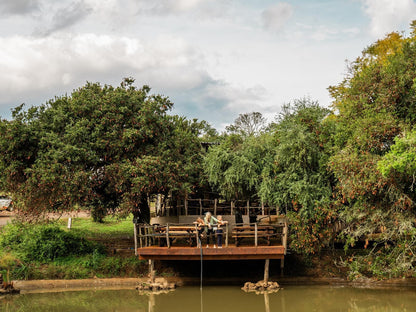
<point x="44" y="242"/>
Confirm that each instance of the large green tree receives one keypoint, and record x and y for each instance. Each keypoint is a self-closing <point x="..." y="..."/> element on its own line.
<point x="375" y="104"/>
<point x="102" y="147"/>
<point x="297" y="178"/>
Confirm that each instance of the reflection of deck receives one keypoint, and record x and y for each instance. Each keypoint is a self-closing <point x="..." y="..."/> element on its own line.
<point x="225" y="253"/>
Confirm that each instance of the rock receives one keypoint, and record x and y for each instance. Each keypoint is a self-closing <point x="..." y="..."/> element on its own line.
<point x="261" y="286"/>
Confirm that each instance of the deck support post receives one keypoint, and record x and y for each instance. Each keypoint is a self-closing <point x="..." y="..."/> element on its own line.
<point x="135" y="238"/>
<point x="282" y="265"/>
<point x="152" y="270"/>
<point x="266" y="270"/>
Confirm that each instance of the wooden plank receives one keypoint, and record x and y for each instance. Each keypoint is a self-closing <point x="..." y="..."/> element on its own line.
<point x="230" y="253"/>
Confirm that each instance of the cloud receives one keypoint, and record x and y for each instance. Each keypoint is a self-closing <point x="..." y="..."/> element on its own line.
<point x="275" y="17"/>
<point x="66" y="17"/>
<point x="18" y="7"/>
<point x="34" y="70"/>
<point x="198" y="8"/>
<point x="387" y="16"/>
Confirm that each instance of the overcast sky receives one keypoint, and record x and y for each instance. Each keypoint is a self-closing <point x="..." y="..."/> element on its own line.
<point x="213" y="58"/>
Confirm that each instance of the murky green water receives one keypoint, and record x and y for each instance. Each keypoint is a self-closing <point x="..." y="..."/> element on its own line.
<point x="219" y="299"/>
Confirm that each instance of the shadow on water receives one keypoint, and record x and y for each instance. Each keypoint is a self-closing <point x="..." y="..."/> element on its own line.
<point x="218" y="299"/>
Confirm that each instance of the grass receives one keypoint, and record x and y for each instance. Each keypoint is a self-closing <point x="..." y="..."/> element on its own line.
<point x="112" y="228"/>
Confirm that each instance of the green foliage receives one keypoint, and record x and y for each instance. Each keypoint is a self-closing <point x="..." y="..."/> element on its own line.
<point x="297" y="177"/>
<point x="401" y="159"/>
<point x="44" y="242"/>
<point x="373" y="161"/>
<point x="103" y="148"/>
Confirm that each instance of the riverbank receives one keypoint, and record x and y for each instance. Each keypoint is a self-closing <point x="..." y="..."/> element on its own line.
<point x="39" y="286"/>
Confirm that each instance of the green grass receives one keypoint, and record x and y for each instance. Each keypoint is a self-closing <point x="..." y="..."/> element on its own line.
<point x="112" y="227"/>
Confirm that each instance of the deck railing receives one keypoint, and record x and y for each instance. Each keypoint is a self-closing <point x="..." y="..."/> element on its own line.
<point x="146" y="235"/>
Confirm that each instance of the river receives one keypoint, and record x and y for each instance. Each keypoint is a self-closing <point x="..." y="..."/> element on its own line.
<point x="218" y="299"/>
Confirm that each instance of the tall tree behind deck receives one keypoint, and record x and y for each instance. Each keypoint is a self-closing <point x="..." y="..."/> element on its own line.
<point x="376" y="106"/>
<point x="102" y="147"/>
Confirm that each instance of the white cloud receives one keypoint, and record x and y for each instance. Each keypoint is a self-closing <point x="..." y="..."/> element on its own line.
<point x="276" y="16"/>
<point x="33" y="70"/>
<point x="388" y="15"/>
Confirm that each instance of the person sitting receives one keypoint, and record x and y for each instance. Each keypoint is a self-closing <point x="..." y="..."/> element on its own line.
<point x="200" y="228"/>
<point x="210" y="226"/>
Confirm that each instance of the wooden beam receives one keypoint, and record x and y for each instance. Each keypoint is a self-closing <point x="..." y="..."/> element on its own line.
<point x="266" y="270"/>
<point x="230" y="253"/>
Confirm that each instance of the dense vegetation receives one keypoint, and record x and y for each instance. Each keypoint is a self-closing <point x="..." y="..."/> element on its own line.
<point x="49" y="251"/>
<point x="344" y="175"/>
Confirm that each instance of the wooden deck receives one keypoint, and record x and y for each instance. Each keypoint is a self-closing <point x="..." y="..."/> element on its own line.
<point x="225" y="253"/>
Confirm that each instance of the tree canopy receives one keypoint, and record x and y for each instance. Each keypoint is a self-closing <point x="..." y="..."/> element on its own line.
<point x="102" y="147"/>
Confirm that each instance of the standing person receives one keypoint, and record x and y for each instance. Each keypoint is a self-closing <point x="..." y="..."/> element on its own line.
<point x="220" y="230"/>
<point x="210" y="226"/>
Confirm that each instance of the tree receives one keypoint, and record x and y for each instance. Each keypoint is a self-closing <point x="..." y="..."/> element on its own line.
<point x="297" y="178"/>
<point x="102" y="147"/>
<point x="375" y="104"/>
<point x="249" y="124"/>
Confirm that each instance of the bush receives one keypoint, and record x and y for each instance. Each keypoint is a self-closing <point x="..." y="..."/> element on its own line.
<point x="44" y="242"/>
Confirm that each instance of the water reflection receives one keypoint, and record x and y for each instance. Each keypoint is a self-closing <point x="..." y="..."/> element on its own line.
<point x="219" y="299"/>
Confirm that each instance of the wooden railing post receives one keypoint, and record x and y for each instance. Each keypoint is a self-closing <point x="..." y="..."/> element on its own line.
<point x="135" y="239"/>
<point x="255" y="234"/>
<point x="226" y="234"/>
<point x="140" y="236"/>
<point x="200" y="207"/>
<point x="186" y="207"/>
<point x="284" y="236"/>
<point x="215" y="207"/>
<point x="167" y="235"/>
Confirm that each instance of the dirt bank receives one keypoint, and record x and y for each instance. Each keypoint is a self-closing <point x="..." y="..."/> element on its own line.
<point x="37" y="286"/>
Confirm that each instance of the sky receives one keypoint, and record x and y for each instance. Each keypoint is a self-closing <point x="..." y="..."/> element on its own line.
<point x="214" y="59"/>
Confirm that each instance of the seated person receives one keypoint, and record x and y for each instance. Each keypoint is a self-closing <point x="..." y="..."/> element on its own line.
<point x="200" y="228"/>
<point x="210" y="226"/>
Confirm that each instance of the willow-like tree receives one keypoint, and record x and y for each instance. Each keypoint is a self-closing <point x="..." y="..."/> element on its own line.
<point x="102" y="147"/>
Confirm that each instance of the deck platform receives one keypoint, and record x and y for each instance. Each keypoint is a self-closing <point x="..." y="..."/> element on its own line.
<point x="225" y="253"/>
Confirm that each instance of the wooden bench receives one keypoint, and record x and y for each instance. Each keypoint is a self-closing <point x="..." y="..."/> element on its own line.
<point x="173" y="232"/>
<point x="254" y="231"/>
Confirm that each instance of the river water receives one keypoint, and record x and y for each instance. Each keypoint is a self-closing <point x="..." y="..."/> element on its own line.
<point x="218" y="299"/>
